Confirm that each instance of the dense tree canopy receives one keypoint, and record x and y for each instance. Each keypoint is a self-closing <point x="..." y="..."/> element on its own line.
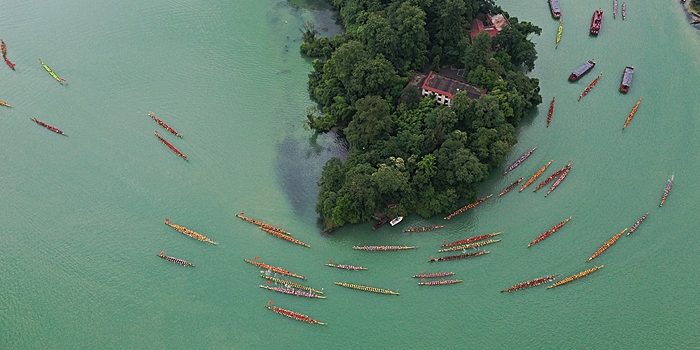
<point x="404" y="150"/>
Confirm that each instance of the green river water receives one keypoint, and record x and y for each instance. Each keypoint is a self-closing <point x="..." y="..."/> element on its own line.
<point x="82" y="216"/>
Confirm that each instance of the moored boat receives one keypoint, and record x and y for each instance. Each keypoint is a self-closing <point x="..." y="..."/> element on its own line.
<point x="174" y="260"/>
<point x="558" y="182"/>
<point x="285" y="237"/>
<point x="510" y="187"/>
<point x="531" y="283"/>
<point x="459" y="257"/>
<point x="433" y="274"/>
<point x="607" y="245"/>
<point x="471" y="239"/>
<point x="274" y="269"/>
<point x="395" y="220"/>
<point x="295" y="292"/>
<point x="554" y="7"/>
<point x="632" y="113"/>
<point x="172" y="148"/>
<point x="552" y="177"/>
<point x="289" y="284"/>
<point x="165" y="126"/>
<point x="582" y="70"/>
<point x="188" y="232"/>
<point x="597" y="21"/>
<point x="519" y="161"/>
<point x="423" y="229"/>
<point x="549" y="232"/>
<point x="380" y="223"/>
<point x="626" y="81"/>
<point x="439" y="282"/>
<point x="536" y="175"/>
<point x="636" y="224"/>
<point x="51" y="72"/>
<point x="667" y="190"/>
<point x="576" y="276"/>
<point x="467" y="207"/>
<point x="366" y="288"/>
<point x="551" y="111"/>
<point x="383" y="247"/>
<point x="590" y="86"/>
<point x="469" y="246"/>
<point x="294" y="315"/>
<point x="347" y="267"/>
<point x="52" y="128"/>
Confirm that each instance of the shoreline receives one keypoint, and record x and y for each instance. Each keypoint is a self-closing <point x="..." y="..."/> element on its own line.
<point x="688" y="9"/>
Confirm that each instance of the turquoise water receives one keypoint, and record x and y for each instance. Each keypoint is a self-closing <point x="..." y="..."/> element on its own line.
<point x="82" y="215"/>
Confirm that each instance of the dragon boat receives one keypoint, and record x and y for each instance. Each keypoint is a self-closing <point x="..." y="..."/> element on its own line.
<point x="636" y="224"/>
<point x="347" y="267"/>
<point x="458" y="257"/>
<point x="590" y="86"/>
<point x="366" y="288"/>
<point x="551" y="111"/>
<point x="549" y="232"/>
<point x="4" y="55"/>
<point x="51" y="72"/>
<point x="380" y="223"/>
<point x="614" y="9"/>
<point x="52" y="128"/>
<point x="576" y="276"/>
<point x="292" y="291"/>
<point x="439" y="282"/>
<point x="174" y="260"/>
<point x="471" y="239"/>
<point x="382" y="248"/>
<point x="188" y="232"/>
<point x="172" y="148"/>
<point x="2" y="103"/>
<point x="289" y="284"/>
<point x="510" y="187"/>
<point x="520" y="160"/>
<point x="274" y="269"/>
<point x="262" y="224"/>
<point x="531" y="283"/>
<point x="467" y="207"/>
<point x="284" y="237"/>
<point x="294" y="315"/>
<point x="469" y="246"/>
<point x="559" y="32"/>
<point x="165" y="126"/>
<point x="558" y="182"/>
<point x="423" y="229"/>
<point x="624" y="10"/>
<point x="433" y="274"/>
<point x="634" y="110"/>
<point x="552" y="177"/>
<point x="607" y="245"/>
<point x="535" y="176"/>
<point x="667" y="190"/>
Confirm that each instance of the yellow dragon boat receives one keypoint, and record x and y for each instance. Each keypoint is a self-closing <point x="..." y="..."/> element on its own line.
<point x="607" y="245"/>
<point x="366" y="288"/>
<point x="576" y="276"/>
<point x="188" y="232"/>
<point x="284" y="237"/>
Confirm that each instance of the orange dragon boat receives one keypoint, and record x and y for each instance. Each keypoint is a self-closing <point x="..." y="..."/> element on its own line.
<point x="262" y="224"/>
<point x="172" y="148"/>
<point x="284" y="237"/>
<point x="52" y="128"/>
<point x="590" y="86"/>
<point x="549" y="232"/>
<point x="576" y="276"/>
<point x="4" y="55"/>
<point x="188" y="232"/>
<point x="634" y="110"/>
<point x="467" y="207"/>
<point x="293" y="315"/>
<point x="607" y="245"/>
<point x="274" y="269"/>
<point x="471" y="239"/>
<point x="511" y="186"/>
<point x="534" y="177"/>
<point x="531" y="283"/>
<point x="165" y="126"/>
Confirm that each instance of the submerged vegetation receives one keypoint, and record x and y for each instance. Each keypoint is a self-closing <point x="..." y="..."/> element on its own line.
<point x="406" y="153"/>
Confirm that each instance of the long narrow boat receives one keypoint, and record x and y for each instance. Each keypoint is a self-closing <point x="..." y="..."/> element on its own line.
<point x="519" y="161"/>
<point x="4" y="55"/>
<point x="552" y="177"/>
<point x="536" y="175"/>
<point x="289" y="284"/>
<point x="188" y="232"/>
<point x="636" y="224"/>
<point x="347" y="267"/>
<point x="285" y="237"/>
<point x="172" y="148"/>
<point x="531" y="283"/>
<point x="469" y="246"/>
<point x="549" y="232"/>
<point x="614" y="9"/>
<point x="383" y="248"/>
<point x="2" y="103"/>
<point x="576" y="276"/>
<point x="458" y="257"/>
<point x="558" y="182"/>
<point x="52" y="128"/>
<point x="624" y="10"/>
<point x="511" y="186"/>
<point x="292" y="291"/>
<point x="559" y="31"/>
<point x="423" y="229"/>
<point x="174" y="260"/>
<point x="471" y="239"/>
<point x="439" y="282"/>
<point x="58" y="79"/>
<point x="294" y="315"/>
<point x="667" y="190"/>
<point x="274" y="269"/>
<point x="165" y="126"/>
<point x="551" y="111"/>
<point x="380" y="223"/>
<point x="467" y="207"/>
<point x="634" y="110"/>
<point x="590" y="86"/>
<point x="262" y="224"/>
<point x="433" y="274"/>
<point x="607" y="245"/>
<point x="366" y="288"/>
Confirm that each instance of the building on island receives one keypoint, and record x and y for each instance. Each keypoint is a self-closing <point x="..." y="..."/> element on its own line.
<point x="444" y="87"/>
<point x="492" y="25"/>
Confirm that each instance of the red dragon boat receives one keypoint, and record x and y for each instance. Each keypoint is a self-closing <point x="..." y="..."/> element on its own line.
<point x="590" y="86"/>
<point x="4" y="55"/>
<point x="467" y="207"/>
<point x="262" y="224"/>
<point x="458" y="257"/>
<point x="549" y="232"/>
<point x="551" y="111"/>
<point x="596" y="21"/>
<point x="165" y="126"/>
<point x="636" y="224"/>
<point x="293" y="315"/>
<point x="52" y="128"/>
<point x="471" y="239"/>
<point x="531" y="283"/>
<point x="510" y="187"/>
<point x="165" y="142"/>
<point x="558" y="182"/>
<point x="552" y="177"/>
<point x="607" y="245"/>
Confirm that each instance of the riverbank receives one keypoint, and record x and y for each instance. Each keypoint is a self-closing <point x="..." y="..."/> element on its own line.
<point x="689" y="14"/>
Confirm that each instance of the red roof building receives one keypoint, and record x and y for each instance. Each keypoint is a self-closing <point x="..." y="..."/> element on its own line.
<point x="444" y="88"/>
<point x="494" y="24"/>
